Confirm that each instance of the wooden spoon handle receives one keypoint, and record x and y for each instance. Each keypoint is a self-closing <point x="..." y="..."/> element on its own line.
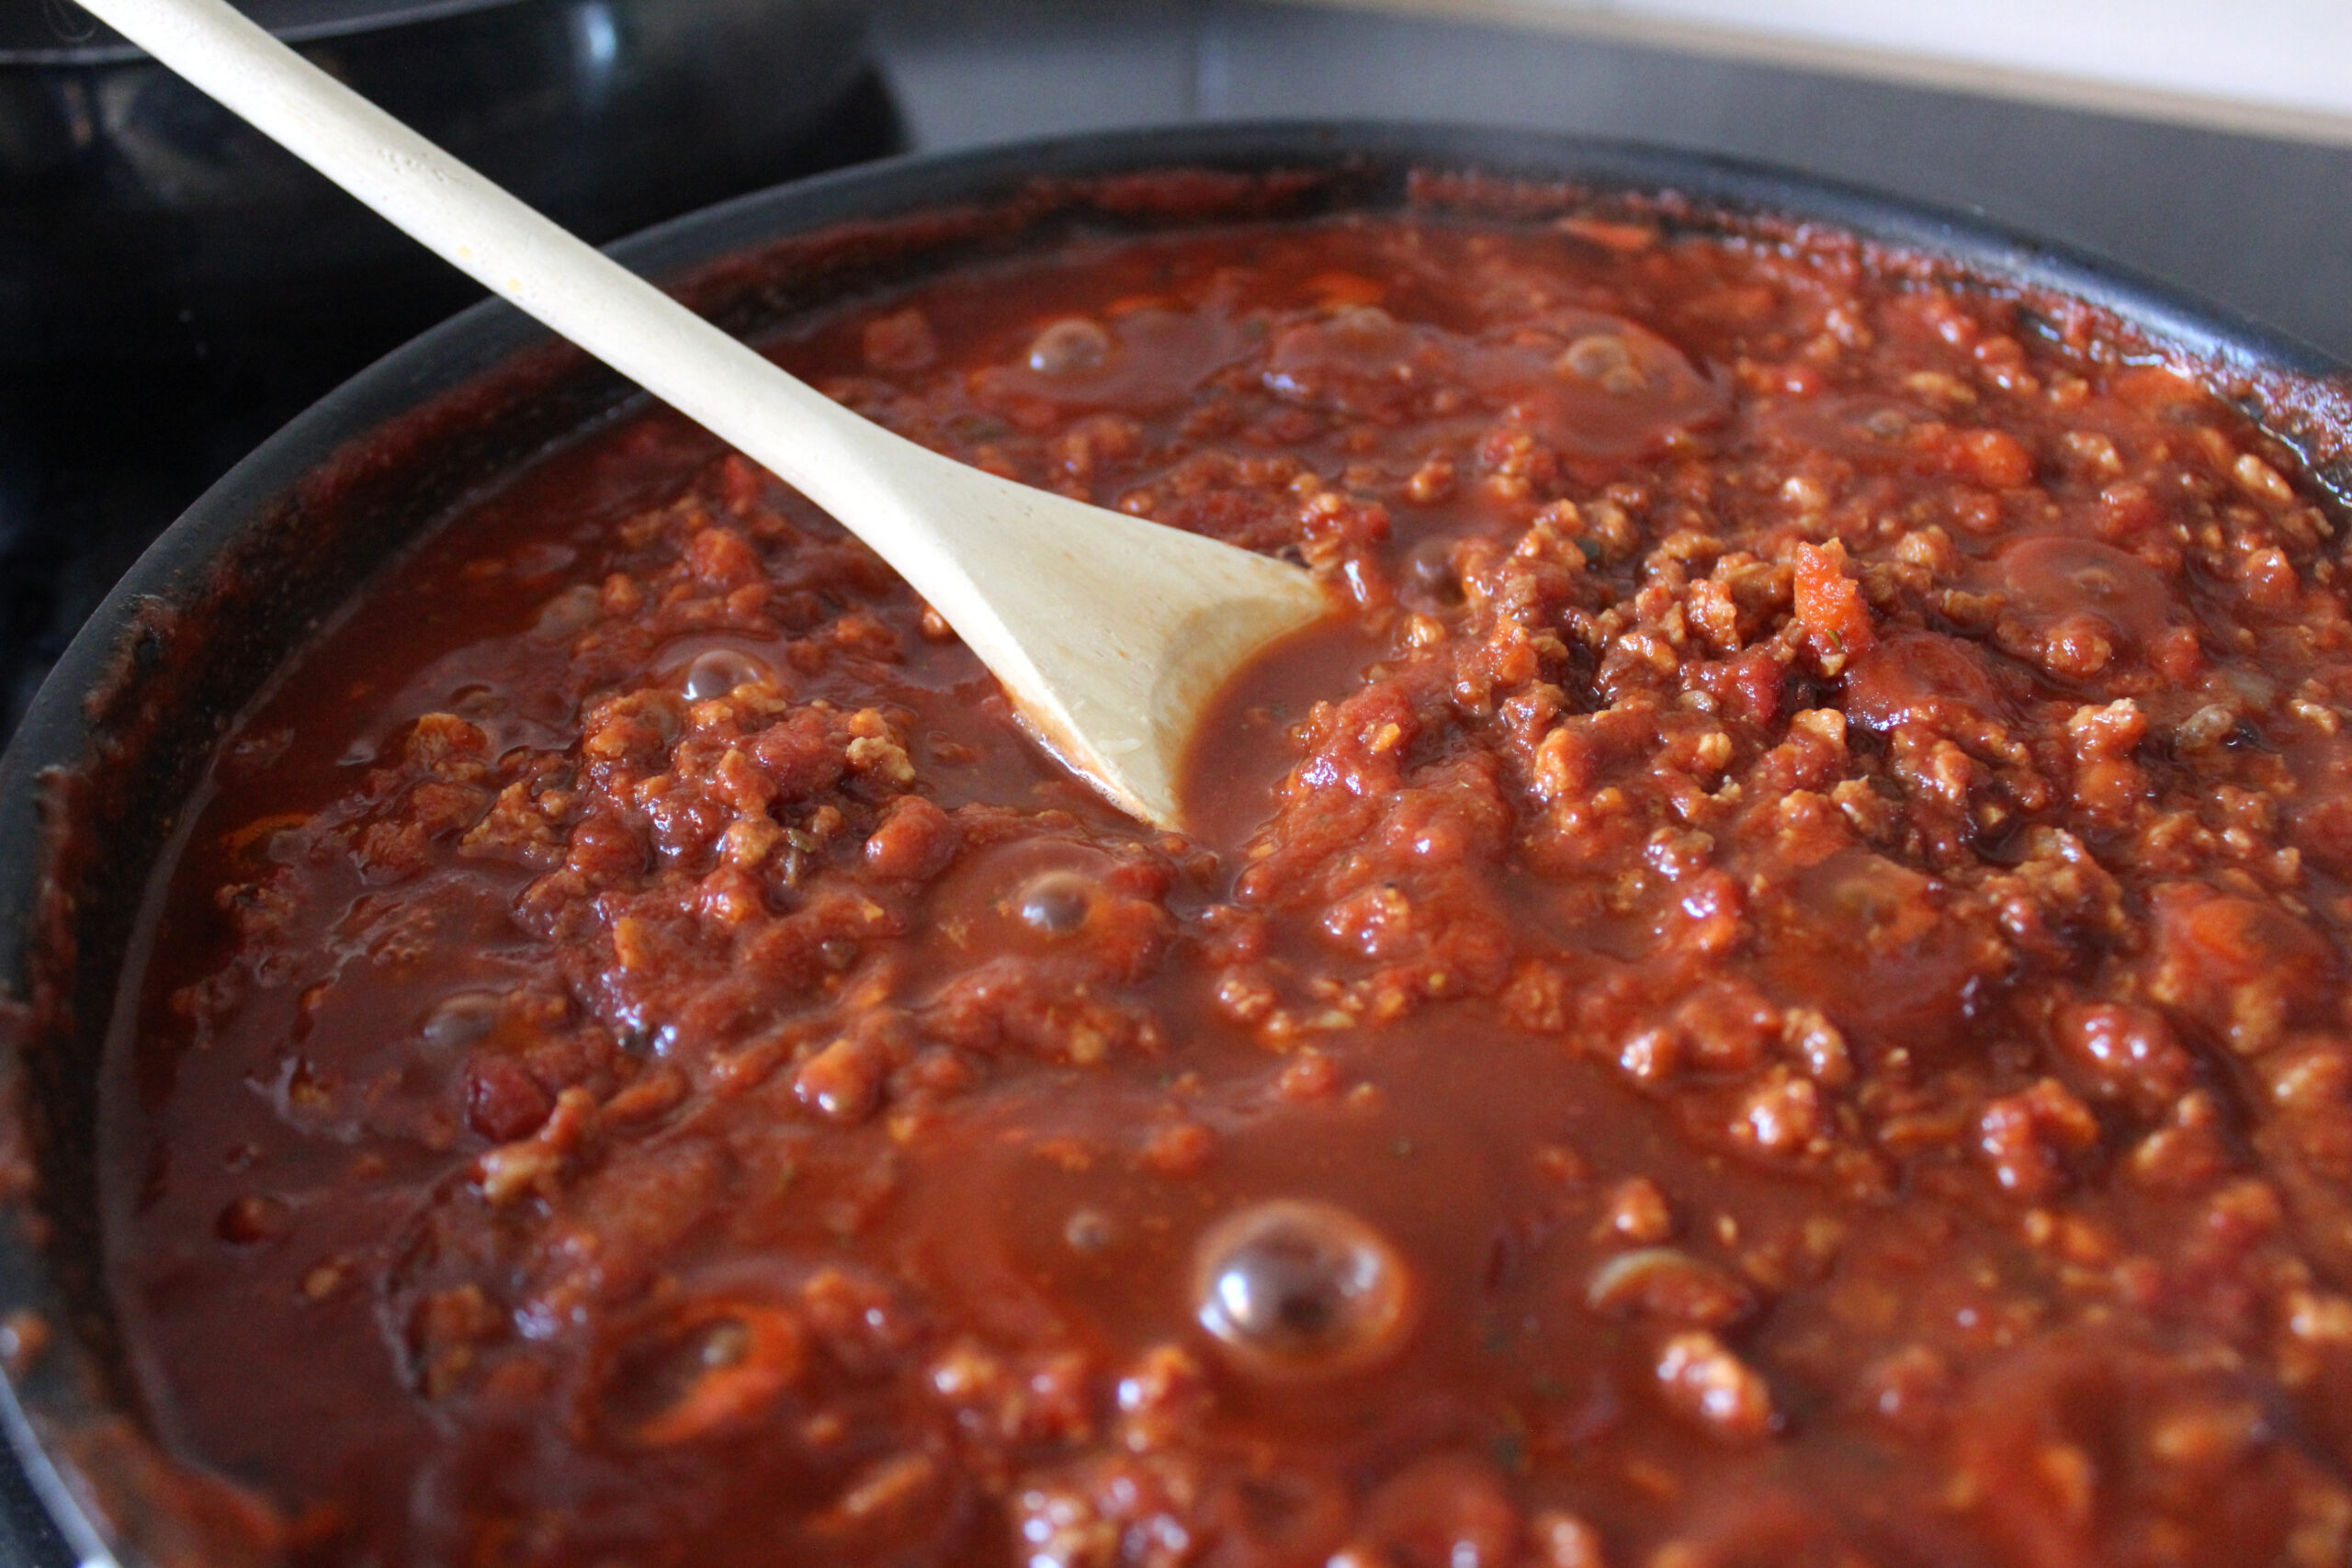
<point x="804" y="437"/>
<point x="1109" y="633"/>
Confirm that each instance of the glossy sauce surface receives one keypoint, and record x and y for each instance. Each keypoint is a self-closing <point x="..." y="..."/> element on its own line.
<point x="1771" y="995"/>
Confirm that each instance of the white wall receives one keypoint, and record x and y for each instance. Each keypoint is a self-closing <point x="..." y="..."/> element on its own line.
<point x="2280" y="67"/>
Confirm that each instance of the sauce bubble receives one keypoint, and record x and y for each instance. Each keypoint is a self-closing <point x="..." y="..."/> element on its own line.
<point x="460" y="1019"/>
<point x="1055" y="903"/>
<point x="718" y="672"/>
<point x="1072" y="347"/>
<point x="1294" y="1287"/>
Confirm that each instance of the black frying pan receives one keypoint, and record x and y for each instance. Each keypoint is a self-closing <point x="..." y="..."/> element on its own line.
<point x="90" y="792"/>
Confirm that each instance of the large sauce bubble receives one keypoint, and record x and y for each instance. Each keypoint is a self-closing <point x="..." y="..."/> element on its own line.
<point x="1299" y="1289"/>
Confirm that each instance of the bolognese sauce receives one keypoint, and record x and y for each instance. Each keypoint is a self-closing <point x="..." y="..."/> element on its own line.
<point x="1768" y="991"/>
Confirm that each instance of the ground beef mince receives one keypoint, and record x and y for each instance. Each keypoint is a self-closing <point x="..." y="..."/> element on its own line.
<point x="1771" y="992"/>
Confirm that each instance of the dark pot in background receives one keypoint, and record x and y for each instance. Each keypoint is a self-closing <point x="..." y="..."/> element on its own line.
<point x="91" y="791"/>
<point x="139" y="220"/>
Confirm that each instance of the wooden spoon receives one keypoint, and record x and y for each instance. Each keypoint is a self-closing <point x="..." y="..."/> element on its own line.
<point x="1109" y="633"/>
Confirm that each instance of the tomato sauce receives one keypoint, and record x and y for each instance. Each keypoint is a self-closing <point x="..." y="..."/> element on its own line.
<point x="1770" y="994"/>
